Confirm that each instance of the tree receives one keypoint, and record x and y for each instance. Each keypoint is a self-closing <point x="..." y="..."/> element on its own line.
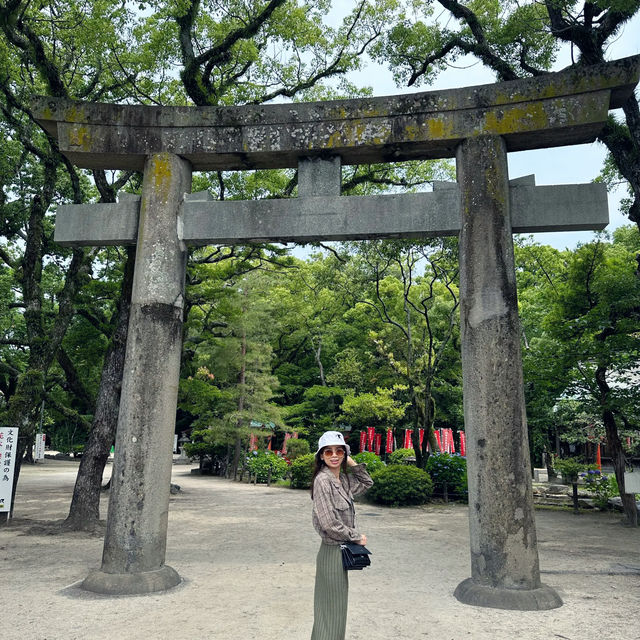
<point x="517" y="40"/>
<point x="588" y="339"/>
<point x="230" y="385"/>
<point x="413" y="295"/>
<point x="374" y="409"/>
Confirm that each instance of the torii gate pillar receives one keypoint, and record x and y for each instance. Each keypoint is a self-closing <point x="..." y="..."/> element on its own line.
<point x="135" y="541"/>
<point x="504" y="555"/>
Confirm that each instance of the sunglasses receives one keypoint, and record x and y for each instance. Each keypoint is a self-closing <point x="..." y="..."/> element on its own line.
<point x="333" y="452"/>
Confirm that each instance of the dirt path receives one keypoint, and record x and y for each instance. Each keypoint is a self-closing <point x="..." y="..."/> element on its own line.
<point x="247" y="557"/>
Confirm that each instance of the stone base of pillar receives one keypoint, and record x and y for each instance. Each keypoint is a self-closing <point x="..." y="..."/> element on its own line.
<point x="127" y="584"/>
<point x="541" y="599"/>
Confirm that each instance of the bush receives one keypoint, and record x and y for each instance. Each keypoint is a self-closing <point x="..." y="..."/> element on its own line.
<point x="601" y="486"/>
<point x="301" y="471"/>
<point x="399" y="456"/>
<point x="297" y="448"/>
<point x="372" y="461"/>
<point x="259" y="463"/>
<point x="207" y="450"/>
<point x="570" y="468"/>
<point x="448" y="472"/>
<point x="399" y="485"/>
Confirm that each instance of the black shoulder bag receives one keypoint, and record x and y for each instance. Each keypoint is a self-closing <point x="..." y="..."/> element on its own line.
<point x="354" y="556"/>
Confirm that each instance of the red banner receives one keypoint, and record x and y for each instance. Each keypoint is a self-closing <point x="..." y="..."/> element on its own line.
<point x="253" y="442"/>
<point x="463" y="443"/>
<point x="446" y="440"/>
<point x="421" y="432"/>
<point x="453" y="443"/>
<point x="407" y="439"/>
<point x="371" y="434"/>
<point x="287" y="436"/>
<point x="378" y="443"/>
<point x="363" y="440"/>
<point x="389" y="443"/>
<point x="438" y="440"/>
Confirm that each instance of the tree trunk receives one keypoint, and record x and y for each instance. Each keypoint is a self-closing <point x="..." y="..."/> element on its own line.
<point x="317" y="351"/>
<point x="241" y="382"/>
<point x="84" y="512"/>
<point x="576" y="506"/>
<point x="619" y="463"/>
<point x="615" y="446"/>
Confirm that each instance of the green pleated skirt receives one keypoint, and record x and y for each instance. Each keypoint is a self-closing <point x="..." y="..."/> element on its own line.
<point x="331" y="595"/>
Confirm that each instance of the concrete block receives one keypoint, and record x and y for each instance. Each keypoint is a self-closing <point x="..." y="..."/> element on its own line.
<point x="319" y="176"/>
<point x="100" y="224"/>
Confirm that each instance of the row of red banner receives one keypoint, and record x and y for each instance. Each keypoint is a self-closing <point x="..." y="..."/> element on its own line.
<point x="253" y="442"/>
<point x="372" y="441"/>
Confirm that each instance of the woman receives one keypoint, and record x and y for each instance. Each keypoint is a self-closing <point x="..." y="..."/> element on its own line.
<point x="332" y="491"/>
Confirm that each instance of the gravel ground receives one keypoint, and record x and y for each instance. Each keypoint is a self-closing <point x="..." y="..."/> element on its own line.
<point x="246" y="554"/>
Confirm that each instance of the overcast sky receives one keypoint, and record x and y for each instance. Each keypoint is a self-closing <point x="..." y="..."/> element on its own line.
<point x="560" y="165"/>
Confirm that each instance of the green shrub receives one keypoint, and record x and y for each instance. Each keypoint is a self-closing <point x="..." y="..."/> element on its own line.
<point x="372" y="461"/>
<point x="398" y="485"/>
<point x="601" y="486"/>
<point x="448" y="472"/>
<point x="205" y="448"/>
<point x="259" y="463"/>
<point x="461" y="488"/>
<point x="399" y="456"/>
<point x="297" y="448"/>
<point x="301" y="471"/>
<point x="570" y="468"/>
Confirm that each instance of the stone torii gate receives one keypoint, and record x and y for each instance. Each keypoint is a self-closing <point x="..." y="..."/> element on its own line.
<point x="477" y="126"/>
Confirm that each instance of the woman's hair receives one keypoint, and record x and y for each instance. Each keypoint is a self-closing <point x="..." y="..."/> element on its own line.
<point x="318" y="463"/>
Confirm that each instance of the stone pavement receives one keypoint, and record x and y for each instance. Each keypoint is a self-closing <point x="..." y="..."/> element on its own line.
<point x="246" y="554"/>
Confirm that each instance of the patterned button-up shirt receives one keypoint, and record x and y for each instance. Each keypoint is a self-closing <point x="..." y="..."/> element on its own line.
<point x="334" y="516"/>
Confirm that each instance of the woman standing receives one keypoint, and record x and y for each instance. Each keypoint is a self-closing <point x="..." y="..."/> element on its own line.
<point x="334" y="516"/>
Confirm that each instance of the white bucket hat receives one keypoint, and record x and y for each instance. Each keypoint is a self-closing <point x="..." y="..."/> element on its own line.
<point x="331" y="439"/>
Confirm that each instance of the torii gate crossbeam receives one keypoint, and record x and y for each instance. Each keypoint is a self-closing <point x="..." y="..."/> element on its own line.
<point x="477" y="125"/>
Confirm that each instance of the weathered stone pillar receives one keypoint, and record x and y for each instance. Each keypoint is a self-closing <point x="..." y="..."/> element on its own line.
<point x="135" y="542"/>
<point x="504" y="557"/>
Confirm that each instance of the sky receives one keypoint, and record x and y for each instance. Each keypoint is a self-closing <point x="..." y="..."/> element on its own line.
<point x="560" y="165"/>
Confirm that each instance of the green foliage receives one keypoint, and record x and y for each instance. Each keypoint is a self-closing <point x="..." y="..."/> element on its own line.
<point x="570" y="468"/>
<point x="301" y="471"/>
<point x="207" y="445"/>
<point x="67" y="437"/>
<point x="402" y="456"/>
<point x="372" y="461"/>
<point x="600" y="485"/>
<point x="260" y="462"/>
<point x="317" y="413"/>
<point x="579" y="313"/>
<point x="448" y="469"/>
<point x="379" y="408"/>
<point x="297" y="447"/>
<point x="401" y="485"/>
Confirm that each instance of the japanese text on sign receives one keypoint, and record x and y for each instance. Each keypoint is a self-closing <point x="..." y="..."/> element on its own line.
<point x="8" y="449"/>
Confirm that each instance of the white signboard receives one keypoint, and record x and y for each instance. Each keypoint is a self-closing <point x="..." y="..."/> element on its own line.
<point x="8" y="450"/>
<point x="632" y="481"/>
<point x="41" y="440"/>
<point x="175" y="443"/>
